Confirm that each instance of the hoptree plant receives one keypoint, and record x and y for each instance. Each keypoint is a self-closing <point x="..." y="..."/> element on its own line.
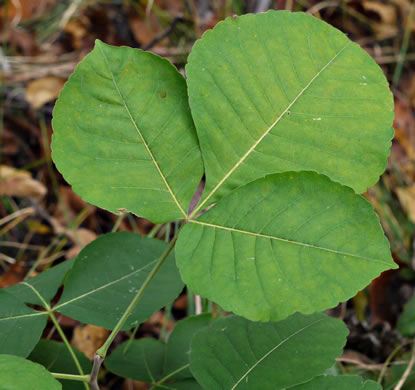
<point x="290" y="122"/>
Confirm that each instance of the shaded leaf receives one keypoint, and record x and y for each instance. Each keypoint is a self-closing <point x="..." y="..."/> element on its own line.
<point x="107" y="275"/>
<point x="123" y="134"/>
<point x="282" y="91"/>
<point x="185" y="384"/>
<point x="20" y="326"/>
<point x="141" y="360"/>
<point x="234" y="353"/>
<point x="346" y="382"/>
<point x="178" y="344"/>
<point x="406" y="321"/>
<point x="289" y="242"/>
<point x="55" y="357"/>
<point x="150" y="360"/>
<point x="21" y="374"/>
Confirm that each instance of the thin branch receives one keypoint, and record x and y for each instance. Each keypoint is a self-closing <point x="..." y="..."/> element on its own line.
<point x="98" y="360"/>
<point x="407" y="371"/>
<point x="59" y="329"/>
<point x="164" y="34"/>
<point x="104" y="349"/>
<point x="71" y="377"/>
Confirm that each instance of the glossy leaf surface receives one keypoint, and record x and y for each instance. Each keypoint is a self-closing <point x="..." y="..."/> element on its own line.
<point x="234" y="353"/>
<point x="123" y="134"/>
<point x="289" y="242"/>
<point x="281" y="91"/>
<point x="108" y="273"/>
<point x="19" y="374"/>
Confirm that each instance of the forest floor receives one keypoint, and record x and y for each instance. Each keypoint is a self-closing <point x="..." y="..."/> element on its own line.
<point x="42" y="222"/>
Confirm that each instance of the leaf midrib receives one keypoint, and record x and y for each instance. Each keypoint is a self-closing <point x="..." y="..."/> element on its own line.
<point x="124" y="103"/>
<point x="273" y="350"/>
<point x="287" y="241"/>
<point x="252" y="148"/>
<point x="104" y="286"/>
<point x="35" y="314"/>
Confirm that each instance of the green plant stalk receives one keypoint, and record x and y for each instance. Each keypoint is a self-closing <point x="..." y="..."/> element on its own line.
<point x="71" y="377"/>
<point x="190" y="303"/>
<point x="118" y="222"/>
<point x="130" y="340"/>
<point x="389" y="359"/>
<point x="59" y="329"/>
<point x="74" y="224"/>
<point x="162" y="380"/>
<point x="164" y="332"/>
<point x="68" y="345"/>
<point x="404" y="48"/>
<point x="102" y="352"/>
<point x="153" y="232"/>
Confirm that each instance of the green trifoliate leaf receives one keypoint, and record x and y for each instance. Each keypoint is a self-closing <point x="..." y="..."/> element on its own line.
<point x="282" y="91"/>
<point x="109" y="272"/>
<point x="338" y="383"/>
<point x="150" y="360"/>
<point x="289" y="242"/>
<point x="20" y="326"/>
<point x="123" y="134"/>
<point x="234" y="353"/>
<point x="19" y="374"/>
<point x="55" y="357"/>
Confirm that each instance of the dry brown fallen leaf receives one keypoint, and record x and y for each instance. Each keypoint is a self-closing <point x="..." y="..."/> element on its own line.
<point x="23" y="10"/>
<point x="81" y="237"/>
<point x="15" y="274"/>
<point x="78" y="31"/>
<point x="43" y="90"/>
<point x="14" y="182"/>
<point x="145" y="31"/>
<point x="129" y="384"/>
<point x="387" y="13"/>
<point x="88" y="339"/>
<point x="406" y="196"/>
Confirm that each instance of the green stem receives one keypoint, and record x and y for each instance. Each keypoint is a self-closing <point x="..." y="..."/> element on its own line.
<point x="130" y="340"/>
<point x="71" y="377"/>
<point x="59" y="329"/>
<point x="118" y="221"/>
<point x="389" y="359"/>
<point x="162" y="380"/>
<point x="102" y="352"/>
<point x="68" y="345"/>
<point x="74" y="224"/>
<point x="154" y="230"/>
<point x="404" y="48"/>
